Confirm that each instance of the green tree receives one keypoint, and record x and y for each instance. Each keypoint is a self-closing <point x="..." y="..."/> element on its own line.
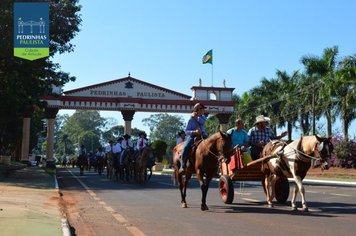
<point x="164" y="127"/>
<point x="212" y="125"/>
<point x="323" y="68"/>
<point x="288" y="87"/>
<point x="84" y="127"/>
<point x="23" y="82"/>
<point x="160" y="149"/>
<point x="268" y="95"/>
<point x="113" y="133"/>
<point x="345" y="92"/>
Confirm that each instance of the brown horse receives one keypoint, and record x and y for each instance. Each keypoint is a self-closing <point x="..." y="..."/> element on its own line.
<point x="293" y="160"/>
<point x="203" y="161"/>
<point x="141" y="164"/>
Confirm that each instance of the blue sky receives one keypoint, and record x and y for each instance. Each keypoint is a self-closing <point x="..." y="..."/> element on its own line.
<point x="162" y="41"/>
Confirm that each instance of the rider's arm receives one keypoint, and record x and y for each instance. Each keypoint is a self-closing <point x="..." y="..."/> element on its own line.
<point x="190" y="130"/>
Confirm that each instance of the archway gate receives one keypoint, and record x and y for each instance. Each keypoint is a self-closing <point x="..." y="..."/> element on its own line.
<point x="129" y="95"/>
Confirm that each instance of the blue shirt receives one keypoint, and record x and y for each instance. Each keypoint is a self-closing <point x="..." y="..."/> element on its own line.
<point x="196" y="123"/>
<point x="238" y="137"/>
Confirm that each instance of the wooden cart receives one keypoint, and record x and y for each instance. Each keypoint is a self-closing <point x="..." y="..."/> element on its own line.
<point x="236" y="171"/>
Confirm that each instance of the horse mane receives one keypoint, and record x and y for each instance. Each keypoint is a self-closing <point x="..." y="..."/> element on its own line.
<point x="206" y="145"/>
<point x="307" y="144"/>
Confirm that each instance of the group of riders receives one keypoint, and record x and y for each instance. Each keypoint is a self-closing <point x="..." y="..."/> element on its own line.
<point x="250" y="142"/>
<point x="113" y="154"/>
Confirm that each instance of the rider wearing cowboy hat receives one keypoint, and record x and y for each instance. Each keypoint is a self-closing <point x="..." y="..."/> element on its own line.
<point x="181" y="137"/>
<point x="260" y="135"/>
<point x="195" y="129"/>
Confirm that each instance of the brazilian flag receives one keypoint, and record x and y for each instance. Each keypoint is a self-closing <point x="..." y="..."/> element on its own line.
<point x="208" y="57"/>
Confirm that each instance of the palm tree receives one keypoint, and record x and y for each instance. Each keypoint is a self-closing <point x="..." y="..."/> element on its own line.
<point x="323" y="69"/>
<point x="288" y="86"/>
<point x="346" y="92"/>
<point x="268" y="96"/>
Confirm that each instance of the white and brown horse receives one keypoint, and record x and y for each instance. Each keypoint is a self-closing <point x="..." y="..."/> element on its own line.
<point x="203" y="161"/>
<point x="293" y="160"/>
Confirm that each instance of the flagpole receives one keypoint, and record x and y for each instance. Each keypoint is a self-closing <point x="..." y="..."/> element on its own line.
<point x="212" y="75"/>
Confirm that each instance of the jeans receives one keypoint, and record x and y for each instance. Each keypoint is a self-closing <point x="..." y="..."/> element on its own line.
<point x="255" y="152"/>
<point x="186" y="149"/>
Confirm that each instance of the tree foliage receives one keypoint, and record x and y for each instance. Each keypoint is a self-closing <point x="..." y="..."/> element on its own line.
<point x="160" y="148"/>
<point x="23" y="82"/>
<point x="84" y="128"/>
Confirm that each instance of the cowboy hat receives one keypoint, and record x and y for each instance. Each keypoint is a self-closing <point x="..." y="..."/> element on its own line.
<point x="181" y="132"/>
<point x="262" y="118"/>
<point x="198" y="106"/>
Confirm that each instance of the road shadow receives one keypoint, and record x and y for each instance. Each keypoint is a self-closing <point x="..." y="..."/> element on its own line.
<point x="316" y="209"/>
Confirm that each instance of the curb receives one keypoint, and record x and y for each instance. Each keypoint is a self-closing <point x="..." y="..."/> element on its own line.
<point x="305" y="181"/>
<point x="64" y="220"/>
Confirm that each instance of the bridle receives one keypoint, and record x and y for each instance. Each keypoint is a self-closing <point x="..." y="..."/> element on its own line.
<point x="221" y="155"/>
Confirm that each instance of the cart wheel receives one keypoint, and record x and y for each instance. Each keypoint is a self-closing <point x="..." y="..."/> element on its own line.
<point x="226" y="189"/>
<point x="282" y="189"/>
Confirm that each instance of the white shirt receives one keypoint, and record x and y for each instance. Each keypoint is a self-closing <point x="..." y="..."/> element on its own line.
<point x="109" y="148"/>
<point x="117" y="148"/>
<point x="141" y="143"/>
<point x="100" y="154"/>
<point x="180" y="140"/>
<point x="126" y="143"/>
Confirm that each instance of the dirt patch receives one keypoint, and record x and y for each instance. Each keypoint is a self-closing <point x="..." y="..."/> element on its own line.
<point x="333" y="173"/>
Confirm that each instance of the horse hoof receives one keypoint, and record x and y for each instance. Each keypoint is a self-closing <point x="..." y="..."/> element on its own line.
<point x="184" y="205"/>
<point x="294" y="208"/>
<point x="204" y="207"/>
<point x="270" y="205"/>
<point x="305" y="209"/>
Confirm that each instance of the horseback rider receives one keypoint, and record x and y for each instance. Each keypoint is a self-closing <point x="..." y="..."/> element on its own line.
<point x="126" y="144"/>
<point x="195" y="129"/>
<point x="117" y="151"/>
<point x="109" y="148"/>
<point x="260" y="135"/>
<point x="181" y="137"/>
<point x="141" y="141"/>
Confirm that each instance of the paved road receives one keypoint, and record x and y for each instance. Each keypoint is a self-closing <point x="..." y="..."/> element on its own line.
<point x="96" y="204"/>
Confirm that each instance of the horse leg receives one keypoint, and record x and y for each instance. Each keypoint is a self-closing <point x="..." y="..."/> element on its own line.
<point x="149" y="177"/>
<point x="127" y="172"/>
<point x="205" y="187"/>
<point x="294" y="197"/>
<point x="299" y="183"/>
<point x="181" y="188"/>
<point x="268" y="191"/>
<point x="273" y="182"/>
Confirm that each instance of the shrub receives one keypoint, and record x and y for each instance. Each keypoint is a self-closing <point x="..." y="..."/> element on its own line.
<point x="159" y="148"/>
<point x="344" y="153"/>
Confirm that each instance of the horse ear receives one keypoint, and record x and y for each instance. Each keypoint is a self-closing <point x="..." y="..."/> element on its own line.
<point x="223" y="134"/>
<point x="320" y="139"/>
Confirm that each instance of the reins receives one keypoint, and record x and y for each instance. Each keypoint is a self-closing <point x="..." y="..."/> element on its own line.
<point x="219" y="157"/>
<point x="301" y="153"/>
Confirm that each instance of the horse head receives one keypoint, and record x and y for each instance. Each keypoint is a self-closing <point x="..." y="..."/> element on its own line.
<point x="324" y="148"/>
<point x="224" y="147"/>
